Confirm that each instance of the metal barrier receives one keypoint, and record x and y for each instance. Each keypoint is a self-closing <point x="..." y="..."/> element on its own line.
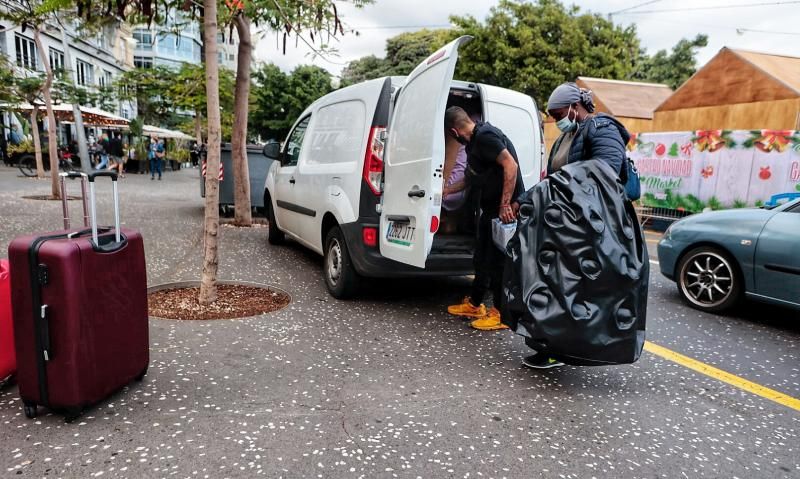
<point x="649" y="214"/>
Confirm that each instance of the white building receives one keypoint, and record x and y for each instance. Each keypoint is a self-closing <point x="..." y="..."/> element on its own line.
<point x="180" y="41"/>
<point x="96" y="60"/>
<point x="176" y="42"/>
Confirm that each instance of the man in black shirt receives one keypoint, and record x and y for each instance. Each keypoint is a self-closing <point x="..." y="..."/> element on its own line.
<point x="492" y="168"/>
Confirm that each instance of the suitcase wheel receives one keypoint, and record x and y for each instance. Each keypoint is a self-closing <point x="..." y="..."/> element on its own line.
<point x="71" y="415"/>
<point x="30" y="410"/>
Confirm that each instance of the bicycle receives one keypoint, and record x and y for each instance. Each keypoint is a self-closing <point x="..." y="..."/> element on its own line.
<point x="27" y="164"/>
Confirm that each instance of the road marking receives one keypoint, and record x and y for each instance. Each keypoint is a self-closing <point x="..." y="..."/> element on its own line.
<point x="652" y="261"/>
<point x="724" y="376"/>
<point x="652" y="240"/>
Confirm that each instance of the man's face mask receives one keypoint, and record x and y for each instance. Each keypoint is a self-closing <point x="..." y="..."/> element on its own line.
<point x="565" y="124"/>
<point x="454" y="133"/>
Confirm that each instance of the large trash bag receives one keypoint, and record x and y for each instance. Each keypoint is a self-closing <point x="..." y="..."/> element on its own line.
<point x="577" y="269"/>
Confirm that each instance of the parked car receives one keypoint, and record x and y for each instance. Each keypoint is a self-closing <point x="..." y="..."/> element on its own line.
<point x="359" y="178"/>
<point x="718" y="257"/>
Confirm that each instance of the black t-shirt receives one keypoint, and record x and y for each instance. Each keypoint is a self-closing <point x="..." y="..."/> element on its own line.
<point x="115" y="146"/>
<point x="483" y="170"/>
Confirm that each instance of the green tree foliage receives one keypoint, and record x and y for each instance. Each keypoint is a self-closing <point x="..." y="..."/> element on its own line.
<point x="671" y="68"/>
<point x="150" y="88"/>
<point x="534" y="47"/>
<point x="363" y="69"/>
<point x="403" y="53"/>
<point x="279" y="98"/>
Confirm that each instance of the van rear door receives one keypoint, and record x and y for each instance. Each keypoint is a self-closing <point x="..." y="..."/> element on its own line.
<point x="412" y="195"/>
<point x="516" y="115"/>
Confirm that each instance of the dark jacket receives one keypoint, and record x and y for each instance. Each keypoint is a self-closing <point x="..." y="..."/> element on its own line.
<point x="607" y="141"/>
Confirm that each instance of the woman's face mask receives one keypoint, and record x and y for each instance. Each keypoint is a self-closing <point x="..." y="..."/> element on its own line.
<point x="566" y="124"/>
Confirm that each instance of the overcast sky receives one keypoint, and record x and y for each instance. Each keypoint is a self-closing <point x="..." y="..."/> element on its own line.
<point x="724" y="24"/>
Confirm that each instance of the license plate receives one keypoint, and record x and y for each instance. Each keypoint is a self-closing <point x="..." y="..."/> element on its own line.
<point x="400" y="233"/>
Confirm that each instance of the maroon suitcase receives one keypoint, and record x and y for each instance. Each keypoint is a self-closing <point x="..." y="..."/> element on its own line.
<point x="79" y="301"/>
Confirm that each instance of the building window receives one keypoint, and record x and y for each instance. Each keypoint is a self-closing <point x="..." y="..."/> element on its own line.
<point x="105" y="79"/>
<point x="27" y="56"/>
<point x="144" y="39"/>
<point x="231" y="57"/>
<point x="101" y="41"/>
<point x="142" y="62"/>
<point x="85" y="73"/>
<point x="56" y="60"/>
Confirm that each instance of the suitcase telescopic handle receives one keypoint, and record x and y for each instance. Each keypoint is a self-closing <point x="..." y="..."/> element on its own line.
<point x="93" y="203"/>
<point x="64" y="199"/>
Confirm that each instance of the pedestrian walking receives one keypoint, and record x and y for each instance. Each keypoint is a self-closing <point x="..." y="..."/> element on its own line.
<point x="493" y="168"/>
<point x="103" y="147"/>
<point x="156" y="157"/>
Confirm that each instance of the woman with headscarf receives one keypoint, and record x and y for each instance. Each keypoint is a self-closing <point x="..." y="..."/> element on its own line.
<point x="576" y="288"/>
<point x="584" y="135"/>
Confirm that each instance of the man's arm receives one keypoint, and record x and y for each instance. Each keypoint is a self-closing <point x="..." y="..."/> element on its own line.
<point x="506" y="161"/>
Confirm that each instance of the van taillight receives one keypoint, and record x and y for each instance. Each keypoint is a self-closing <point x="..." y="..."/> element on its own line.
<point x="370" y="236"/>
<point x="373" y="160"/>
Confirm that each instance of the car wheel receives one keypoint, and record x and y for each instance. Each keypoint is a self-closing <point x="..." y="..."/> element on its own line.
<point x="274" y="235"/>
<point x="341" y="277"/>
<point x="708" y="279"/>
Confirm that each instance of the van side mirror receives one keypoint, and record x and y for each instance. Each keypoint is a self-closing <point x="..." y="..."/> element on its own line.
<point x="272" y="150"/>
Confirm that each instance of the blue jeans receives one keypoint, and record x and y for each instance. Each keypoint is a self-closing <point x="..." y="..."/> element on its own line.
<point x="155" y="165"/>
<point x="103" y="162"/>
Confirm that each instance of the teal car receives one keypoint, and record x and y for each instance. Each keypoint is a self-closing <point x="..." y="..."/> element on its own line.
<point x="716" y="258"/>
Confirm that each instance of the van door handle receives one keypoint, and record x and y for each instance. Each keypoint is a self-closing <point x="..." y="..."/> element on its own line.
<point x="291" y="180"/>
<point x="416" y="194"/>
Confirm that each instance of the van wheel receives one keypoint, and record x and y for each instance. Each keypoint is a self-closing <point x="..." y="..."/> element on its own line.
<point x="274" y="235"/>
<point x="340" y="276"/>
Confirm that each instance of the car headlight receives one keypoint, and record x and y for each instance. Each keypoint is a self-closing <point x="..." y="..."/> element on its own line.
<point x="668" y="233"/>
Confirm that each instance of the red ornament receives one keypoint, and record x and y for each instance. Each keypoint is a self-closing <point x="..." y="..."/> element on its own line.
<point x="661" y="149"/>
<point x="765" y="174"/>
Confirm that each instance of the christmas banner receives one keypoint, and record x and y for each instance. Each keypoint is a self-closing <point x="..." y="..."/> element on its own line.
<point x="716" y="169"/>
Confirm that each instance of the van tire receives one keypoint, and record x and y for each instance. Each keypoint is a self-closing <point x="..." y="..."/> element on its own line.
<point x="341" y="277"/>
<point x="274" y="235"/>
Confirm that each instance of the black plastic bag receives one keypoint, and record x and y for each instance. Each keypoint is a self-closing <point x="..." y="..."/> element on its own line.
<point x="577" y="269"/>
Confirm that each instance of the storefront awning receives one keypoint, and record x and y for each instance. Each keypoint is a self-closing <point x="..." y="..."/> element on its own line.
<point x="150" y="130"/>
<point x="63" y="112"/>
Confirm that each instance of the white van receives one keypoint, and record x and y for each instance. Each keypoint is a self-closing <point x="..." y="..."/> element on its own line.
<point x="359" y="178"/>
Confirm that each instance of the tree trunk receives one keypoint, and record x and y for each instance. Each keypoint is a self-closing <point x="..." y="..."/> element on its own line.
<point x="208" y="281"/>
<point x="80" y="133"/>
<point x="52" y="133"/>
<point x="241" y="172"/>
<point x="37" y="144"/>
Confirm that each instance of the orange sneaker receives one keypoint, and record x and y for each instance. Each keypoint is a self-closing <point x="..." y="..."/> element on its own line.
<point x="490" y="322"/>
<point x="467" y="309"/>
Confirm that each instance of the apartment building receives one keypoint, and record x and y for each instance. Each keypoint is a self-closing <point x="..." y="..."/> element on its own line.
<point x="180" y="40"/>
<point x="177" y="41"/>
<point x="96" y="60"/>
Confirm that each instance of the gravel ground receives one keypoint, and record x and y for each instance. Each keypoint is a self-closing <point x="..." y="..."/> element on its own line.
<point x="389" y="385"/>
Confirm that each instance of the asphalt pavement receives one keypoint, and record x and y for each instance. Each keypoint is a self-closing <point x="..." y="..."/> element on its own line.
<point x="389" y="385"/>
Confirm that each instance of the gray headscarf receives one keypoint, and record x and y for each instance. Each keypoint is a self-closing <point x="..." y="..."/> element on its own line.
<point x="568" y="94"/>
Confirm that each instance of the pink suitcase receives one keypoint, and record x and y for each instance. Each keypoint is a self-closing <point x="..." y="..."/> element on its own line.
<point x="8" y="358"/>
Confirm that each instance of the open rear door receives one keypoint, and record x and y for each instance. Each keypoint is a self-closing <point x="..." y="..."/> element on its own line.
<point x="412" y="195"/>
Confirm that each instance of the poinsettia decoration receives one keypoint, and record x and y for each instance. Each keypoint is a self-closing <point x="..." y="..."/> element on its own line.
<point x="633" y="142"/>
<point x="712" y="140"/>
<point x="773" y="140"/>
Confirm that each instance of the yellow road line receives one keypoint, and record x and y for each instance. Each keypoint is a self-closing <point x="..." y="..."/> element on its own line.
<point x="652" y="240"/>
<point x="723" y="376"/>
